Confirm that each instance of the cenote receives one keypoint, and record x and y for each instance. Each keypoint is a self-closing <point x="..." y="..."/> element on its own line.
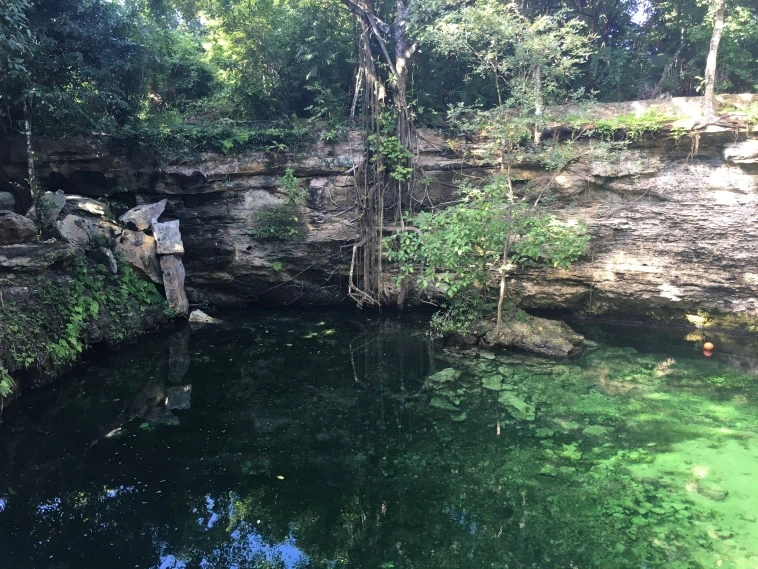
<point x="332" y="439"/>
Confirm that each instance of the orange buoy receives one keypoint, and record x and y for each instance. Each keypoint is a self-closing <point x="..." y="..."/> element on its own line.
<point x="708" y="346"/>
<point x="707" y="353"/>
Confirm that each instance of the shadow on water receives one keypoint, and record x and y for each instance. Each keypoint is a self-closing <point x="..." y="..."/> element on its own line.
<point x="322" y="439"/>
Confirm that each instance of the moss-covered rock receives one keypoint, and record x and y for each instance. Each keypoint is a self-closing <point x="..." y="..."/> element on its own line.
<point x="447" y="375"/>
<point x="52" y="316"/>
<point x="517" y="407"/>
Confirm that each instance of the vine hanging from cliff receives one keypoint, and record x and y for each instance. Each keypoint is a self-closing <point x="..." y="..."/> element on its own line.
<point x="385" y="179"/>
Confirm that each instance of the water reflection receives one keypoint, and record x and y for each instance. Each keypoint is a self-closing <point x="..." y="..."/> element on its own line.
<point x="242" y="546"/>
<point x="310" y="441"/>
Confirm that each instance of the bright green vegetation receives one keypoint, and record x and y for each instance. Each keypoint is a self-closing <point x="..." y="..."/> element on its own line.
<point x="380" y="449"/>
<point x="6" y="383"/>
<point x="455" y="251"/>
<point x="49" y="331"/>
<point x="633" y="126"/>
<point x="395" y="158"/>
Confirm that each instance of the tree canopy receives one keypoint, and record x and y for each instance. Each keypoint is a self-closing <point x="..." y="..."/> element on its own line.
<point x="95" y="65"/>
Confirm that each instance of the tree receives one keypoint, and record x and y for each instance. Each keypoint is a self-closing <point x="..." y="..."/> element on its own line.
<point x="16" y="42"/>
<point x="455" y="251"/>
<point x="531" y="61"/>
<point x="396" y="50"/>
<point x="709" y="104"/>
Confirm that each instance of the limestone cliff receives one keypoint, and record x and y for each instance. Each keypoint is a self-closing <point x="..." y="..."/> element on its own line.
<point x="673" y="232"/>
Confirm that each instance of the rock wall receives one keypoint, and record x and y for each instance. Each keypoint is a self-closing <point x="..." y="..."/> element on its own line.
<point x="672" y="233"/>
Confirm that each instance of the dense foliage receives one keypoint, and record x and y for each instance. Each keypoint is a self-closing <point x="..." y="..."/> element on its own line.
<point x="94" y="65"/>
<point x="456" y="251"/>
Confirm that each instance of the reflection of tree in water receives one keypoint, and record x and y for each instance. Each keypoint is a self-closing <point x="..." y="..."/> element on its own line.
<point x="306" y="447"/>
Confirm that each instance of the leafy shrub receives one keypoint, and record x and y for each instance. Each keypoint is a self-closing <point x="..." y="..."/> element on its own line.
<point x="455" y="251"/>
<point x="633" y="126"/>
<point x="291" y="185"/>
<point x="170" y="133"/>
<point x="396" y="158"/>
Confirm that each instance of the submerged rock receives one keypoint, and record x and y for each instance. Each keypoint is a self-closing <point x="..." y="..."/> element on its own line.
<point x="537" y="335"/>
<point x="179" y="397"/>
<point x="178" y="356"/>
<point x="711" y="490"/>
<point x="595" y="431"/>
<point x="200" y="317"/>
<point x="15" y="229"/>
<point x="443" y="403"/>
<point x="444" y="376"/>
<point x="493" y="382"/>
<point x="517" y="407"/>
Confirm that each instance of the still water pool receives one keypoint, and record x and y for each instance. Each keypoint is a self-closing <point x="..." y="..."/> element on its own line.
<point x="333" y="440"/>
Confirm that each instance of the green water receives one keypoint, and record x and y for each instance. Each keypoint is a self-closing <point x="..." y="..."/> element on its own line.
<point x="335" y="440"/>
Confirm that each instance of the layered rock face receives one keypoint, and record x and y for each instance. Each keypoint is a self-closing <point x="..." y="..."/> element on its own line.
<point x="673" y="232"/>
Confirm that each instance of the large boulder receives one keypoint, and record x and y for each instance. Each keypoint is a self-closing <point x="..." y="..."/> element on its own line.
<point x="86" y="207"/>
<point x="536" y="335"/>
<point x="517" y="407"/>
<point x="198" y="318"/>
<point x="143" y="216"/>
<point x="138" y="250"/>
<point x="173" y="281"/>
<point x="169" y="238"/>
<point x="87" y="231"/>
<point x="16" y="229"/>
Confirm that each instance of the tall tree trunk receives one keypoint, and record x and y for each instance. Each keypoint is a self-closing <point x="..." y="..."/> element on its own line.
<point x="709" y="105"/>
<point x="506" y="254"/>
<point x="396" y="50"/>
<point x="404" y="50"/>
<point x="32" y="171"/>
<point x="539" y="104"/>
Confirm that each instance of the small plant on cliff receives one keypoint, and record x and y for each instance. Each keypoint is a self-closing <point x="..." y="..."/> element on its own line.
<point x="294" y="194"/>
<point x="396" y="158"/>
<point x="632" y="126"/>
<point x="276" y="223"/>
<point x="283" y="222"/>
